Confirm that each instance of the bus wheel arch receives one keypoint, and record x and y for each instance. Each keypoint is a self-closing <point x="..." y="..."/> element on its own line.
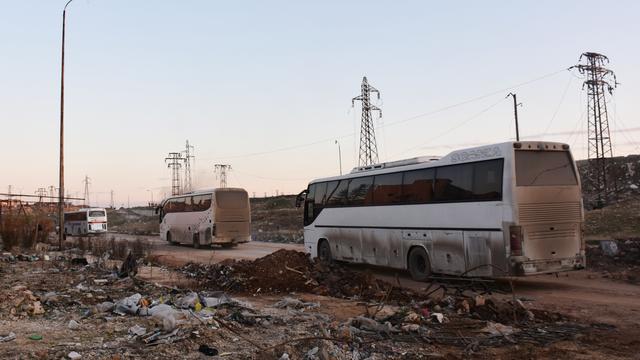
<point x="418" y="263"/>
<point x="324" y="250"/>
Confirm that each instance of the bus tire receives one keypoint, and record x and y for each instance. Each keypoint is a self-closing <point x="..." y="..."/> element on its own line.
<point x="324" y="251"/>
<point x="169" y="240"/>
<point x="196" y="241"/>
<point x="418" y="264"/>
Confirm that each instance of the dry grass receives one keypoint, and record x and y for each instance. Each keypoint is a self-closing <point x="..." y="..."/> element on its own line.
<point x="24" y="230"/>
<point x="117" y="249"/>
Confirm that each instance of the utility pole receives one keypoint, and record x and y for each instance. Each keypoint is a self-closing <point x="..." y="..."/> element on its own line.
<point x="86" y="182"/>
<point x="111" y="203"/>
<point x="188" y="155"/>
<point x="61" y="170"/>
<point x="174" y="162"/>
<point x="515" y="113"/>
<point x="339" y="157"/>
<point x="221" y="173"/>
<point x="598" y="79"/>
<point x="368" y="147"/>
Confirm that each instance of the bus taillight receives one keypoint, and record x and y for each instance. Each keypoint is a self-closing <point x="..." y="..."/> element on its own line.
<point x="515" y="240"/>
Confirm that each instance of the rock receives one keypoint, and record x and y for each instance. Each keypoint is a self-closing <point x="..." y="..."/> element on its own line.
<point x="9" y="337"/>
<point x="284" y="356"/>
<point x="313" y="352"/>
<point x="497" y="329"/>
<point x="413" y="318"/>
<point x="74" y="355"/>
<point x="73" y="325"/>
<point x="294" y="303"/>
<point x="410" y="328"/>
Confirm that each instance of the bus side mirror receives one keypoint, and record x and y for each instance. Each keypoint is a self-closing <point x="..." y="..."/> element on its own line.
<point x="301" y="197"/>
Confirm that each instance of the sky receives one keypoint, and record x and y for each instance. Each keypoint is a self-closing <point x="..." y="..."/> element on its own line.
<point x="267" y="86"/>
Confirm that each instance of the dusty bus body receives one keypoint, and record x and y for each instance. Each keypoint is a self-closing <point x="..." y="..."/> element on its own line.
<point x="208" y="217"/>
<point x="513" y="208"/>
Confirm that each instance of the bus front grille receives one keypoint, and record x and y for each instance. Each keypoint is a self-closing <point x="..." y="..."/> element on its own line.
<point x="550" y="213"/>
<point x="551" y="234"/>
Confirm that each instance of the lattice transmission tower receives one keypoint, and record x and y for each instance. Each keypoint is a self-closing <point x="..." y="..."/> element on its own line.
<point x="368" y="147"/>
<point x="174" y="162"/>
<point x="189" y="160"/>
<point x="598" y="81"/>
<point x="221" y="173"/>
<point x="87" y="182"/>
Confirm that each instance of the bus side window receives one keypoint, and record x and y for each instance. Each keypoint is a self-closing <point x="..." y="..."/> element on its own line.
<point x="454" y="183"/>
<point x="387" y="189"/>
<point x="339" y="195"/>
<point x="417" y="186"/>
<point x="309" y="205"/>
<point x="360" y="191"/>
<point x="319" y="198"/>
<point x="487" y="180"/>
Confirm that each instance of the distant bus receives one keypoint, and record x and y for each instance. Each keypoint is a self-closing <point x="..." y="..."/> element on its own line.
<point x="88" y="221"/>
<point x="207" y="217"/>
<point x="513" y="208"/>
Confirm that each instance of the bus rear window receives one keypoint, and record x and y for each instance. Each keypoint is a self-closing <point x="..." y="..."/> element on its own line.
<point x="96" y="213"/>
<point x="231" y="199"/>
<point x="544" y="168"/>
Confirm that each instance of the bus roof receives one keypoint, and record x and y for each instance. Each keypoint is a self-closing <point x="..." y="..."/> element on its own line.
<point x="485" y="152"/>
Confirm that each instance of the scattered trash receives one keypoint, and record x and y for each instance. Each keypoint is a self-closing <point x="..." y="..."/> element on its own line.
<point x="35" y="337"/>
<point x="137" y="330"/>
<point x="439" y="317"/>
<point x="609" y="248"/>
<point x="9" y="337"/>
<point x="209" y="351"/>
<point x="128" y="305"/>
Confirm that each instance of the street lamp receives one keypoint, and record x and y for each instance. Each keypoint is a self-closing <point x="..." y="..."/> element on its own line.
<point x="339" y="156"/>
<point x="61" y="184"/>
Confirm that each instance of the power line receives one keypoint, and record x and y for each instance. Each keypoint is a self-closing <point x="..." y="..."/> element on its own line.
<point x="174" y="162"/>
<point x="393" y="123"/>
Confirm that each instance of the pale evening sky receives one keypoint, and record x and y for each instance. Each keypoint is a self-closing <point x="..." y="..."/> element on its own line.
<point x="242" y="79"/>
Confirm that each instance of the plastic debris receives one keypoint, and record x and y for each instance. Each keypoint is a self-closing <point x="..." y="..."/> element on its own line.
<point x="188" y="301"/>
<point x="9" y="337"/>
<point x="35" y="337"/>
<point x="128" y="305"/>
<point x="137" y="330"/>
<point x="609" y="248"/>
<point x="494" y="328"/>
<point x="74" y="355"/>
<point x="439" y="317"/>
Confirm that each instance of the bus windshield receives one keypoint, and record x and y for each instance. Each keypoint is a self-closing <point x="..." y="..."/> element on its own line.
<point x="544" y="168"/>
<point x="231" y="199"/>
<point x="96" y="213"/>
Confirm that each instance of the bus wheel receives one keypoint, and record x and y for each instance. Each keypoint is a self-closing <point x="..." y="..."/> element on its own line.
<point x="324" y="251"/>
<point x="196" y="241"/>
<point x="169" y="240"/>
<point x="418" y="264"/>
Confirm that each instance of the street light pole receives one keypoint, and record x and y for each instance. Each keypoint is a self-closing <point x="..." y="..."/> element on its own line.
<point x="61" y="173"/>
<point x="339" y="156"/>
<point x="151" y="191"/>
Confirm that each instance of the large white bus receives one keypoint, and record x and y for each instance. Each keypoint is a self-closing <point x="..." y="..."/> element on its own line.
<point x="513" y="208"/>
<point x="206" y="217"/>
<point x="88" y="221"/>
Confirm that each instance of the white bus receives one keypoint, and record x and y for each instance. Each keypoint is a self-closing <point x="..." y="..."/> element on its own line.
<point x="206" y="217"/>
<point x="506" y="209"/>
<point x="88" y="221"/>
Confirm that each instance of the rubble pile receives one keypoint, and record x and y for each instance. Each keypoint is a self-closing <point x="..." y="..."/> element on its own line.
<point x="293" y="271"/>
<point x="616" y="259"/>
